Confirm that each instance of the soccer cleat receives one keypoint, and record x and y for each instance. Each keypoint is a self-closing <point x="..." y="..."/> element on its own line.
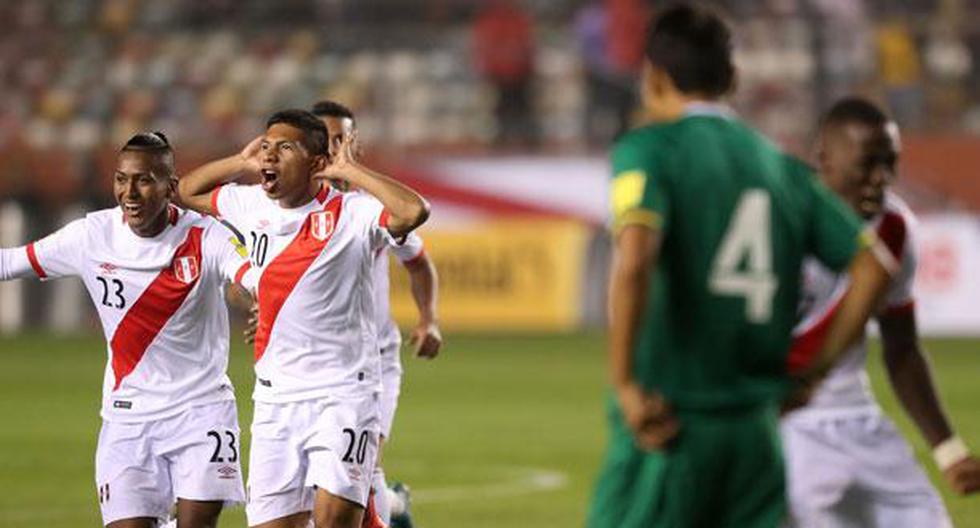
<point x="402" y="517"/>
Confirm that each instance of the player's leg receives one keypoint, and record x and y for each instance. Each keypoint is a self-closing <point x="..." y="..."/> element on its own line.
<point x="198" y="514"/>
<point x="133" y="483"/>
<point x="342" y="452"/>
<point x="391" y="381"/>
<point x="296" y="520"/>
<point x="278" y="495"/>
<point x="630" y="483"/>
<point x="204" y="449"/>
<point x="819" y="472"/>
<point x="899" y="494"/>
<point x="331" y="511"/>
<point x="754" y="473"/>
<point x="379" y="486"/>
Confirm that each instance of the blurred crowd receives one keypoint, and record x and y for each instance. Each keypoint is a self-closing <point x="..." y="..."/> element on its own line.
<point x="79" y="77"/>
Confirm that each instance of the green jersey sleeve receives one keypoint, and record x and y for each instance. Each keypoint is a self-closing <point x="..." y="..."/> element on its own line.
<point x="835" y="231"/>
<point x="638" y="193"/>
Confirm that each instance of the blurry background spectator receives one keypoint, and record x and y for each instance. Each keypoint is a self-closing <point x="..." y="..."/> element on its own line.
<point x="504" y="53"/>
<point x="433" y="77"/>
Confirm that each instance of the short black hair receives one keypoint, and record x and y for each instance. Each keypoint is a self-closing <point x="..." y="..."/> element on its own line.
<point x="330" y="108"/>
<point x="314" y="131"/>
<point x="854" y="109"/>
<point x="693" y="45"/>
<point x="154" y="143"/>
<point x="862" y="111"/>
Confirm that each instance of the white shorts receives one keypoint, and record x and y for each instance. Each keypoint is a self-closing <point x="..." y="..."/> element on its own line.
<point x="142" y="468"/>
<point x="327" y="443"/>
<point x="855" y="471"/>
<point x="391" y="386"/>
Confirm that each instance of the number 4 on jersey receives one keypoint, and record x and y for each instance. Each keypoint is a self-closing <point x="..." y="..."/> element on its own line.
<point x="749" y="240"/>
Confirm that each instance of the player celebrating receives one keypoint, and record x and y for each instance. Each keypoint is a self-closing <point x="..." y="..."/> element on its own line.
<point x="392" y="504"/>
<point x="318" y="372"/>
<point x="712" y="223"/>
<point x="847" y="464"/>
<point x="156" y="275"/>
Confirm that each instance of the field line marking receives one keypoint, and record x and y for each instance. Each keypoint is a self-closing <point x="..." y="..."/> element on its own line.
<point x="527" y="481"/>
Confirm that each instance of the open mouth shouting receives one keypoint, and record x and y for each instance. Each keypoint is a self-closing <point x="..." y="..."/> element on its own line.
<point x="270" y="180"/>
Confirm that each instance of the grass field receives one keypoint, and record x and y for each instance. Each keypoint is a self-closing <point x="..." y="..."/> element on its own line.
<point x="501" y="432"/>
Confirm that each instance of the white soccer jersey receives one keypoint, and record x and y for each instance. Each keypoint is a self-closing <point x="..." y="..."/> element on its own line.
<point x="160" y="300"/>
<point x="407" y="251"/>
<point x="847" y="385"/>
<point x="317" y="334"/>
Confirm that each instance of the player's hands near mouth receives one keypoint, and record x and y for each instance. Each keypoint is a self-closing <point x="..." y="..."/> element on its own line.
<point x="251" y="156"/>
<point x="649" y="416"/>
<point x="426" y="340"/>
<point x="964" y="476"/>
<point x="339" y="168"/>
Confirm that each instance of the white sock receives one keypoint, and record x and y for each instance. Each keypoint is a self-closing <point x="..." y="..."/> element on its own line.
<point x="381" y="495"/>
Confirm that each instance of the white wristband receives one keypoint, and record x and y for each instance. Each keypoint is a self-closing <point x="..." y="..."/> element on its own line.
<point x="949" y="452"/>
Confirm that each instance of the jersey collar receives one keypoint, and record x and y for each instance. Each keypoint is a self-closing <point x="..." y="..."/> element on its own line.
<point x="705" y="108"/>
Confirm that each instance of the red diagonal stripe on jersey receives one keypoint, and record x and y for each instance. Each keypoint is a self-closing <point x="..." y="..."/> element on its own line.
<point x="806" y="345"/>
<point x="891" y="230"/>
<point x="159" y="302"/>
<point x="281" y="275"/>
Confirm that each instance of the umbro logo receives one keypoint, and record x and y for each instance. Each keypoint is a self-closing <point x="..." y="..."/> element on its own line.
<point x="227" y="472"/>
<point x="108" y="269"/>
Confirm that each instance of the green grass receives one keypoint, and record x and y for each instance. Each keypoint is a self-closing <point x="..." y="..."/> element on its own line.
<point x="474" y="431"/>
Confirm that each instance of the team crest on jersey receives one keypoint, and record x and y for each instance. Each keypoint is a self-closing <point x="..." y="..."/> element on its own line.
<point x="187" y="269"/>
<point x="321" y="225"/>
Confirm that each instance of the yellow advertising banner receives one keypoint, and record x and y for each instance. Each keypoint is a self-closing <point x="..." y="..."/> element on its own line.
<point x="503" y="275"/>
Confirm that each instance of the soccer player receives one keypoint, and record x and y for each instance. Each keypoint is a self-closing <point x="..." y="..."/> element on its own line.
<point x="156" y="275"/>
<point x="847" y="465"/>
<point x="317" y="423"/>
<point x="425" y="338"/>
<point x="711" y="226"/>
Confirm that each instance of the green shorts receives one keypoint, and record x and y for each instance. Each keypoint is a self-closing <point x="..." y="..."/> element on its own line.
<point x="724" y="470"/>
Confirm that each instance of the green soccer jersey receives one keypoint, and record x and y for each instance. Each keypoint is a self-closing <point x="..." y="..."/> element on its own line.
<point x="737" y="217"/>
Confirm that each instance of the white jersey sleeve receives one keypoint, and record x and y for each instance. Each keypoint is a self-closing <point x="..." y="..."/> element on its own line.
<point x="369" y="212"/>
<point x="409" y="249"/>
<point x="56" y="255"/>
<point x="235" y="202"/>
<point x="230" y="253"/>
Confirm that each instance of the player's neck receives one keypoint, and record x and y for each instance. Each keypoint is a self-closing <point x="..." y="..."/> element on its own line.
<point x="155" y="227"/>
<point x="302" y="199"/>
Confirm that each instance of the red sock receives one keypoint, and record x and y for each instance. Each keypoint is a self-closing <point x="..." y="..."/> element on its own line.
<point x="371" y="518"/>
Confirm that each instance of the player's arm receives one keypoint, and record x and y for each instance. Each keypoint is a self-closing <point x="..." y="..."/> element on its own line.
<point x="196" y="188"/>
<point x="406" y="208"/>
<point x="647" y="414"/>
<point x="426" y="339"/>
<point x="639" y="207"/>
<point x="15" y="263"/>
<point x="55" y="255"/>
<point x="910" y="375"/>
